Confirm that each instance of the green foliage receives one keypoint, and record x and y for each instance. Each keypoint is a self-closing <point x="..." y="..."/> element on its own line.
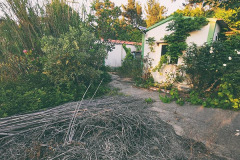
<point x="230" y="16"/>
<point x="223" y="4"/>
<point x="163" y="60"/>
<point x="181" y="27"/>
<point x="107" y="23"/>
<point x="144" y="82"/>
<point x="224" y="99"/>
<point x="131" y="67"/>
<point x="75" y="56"/>
<point x="198" y="11"/>
<point x="149" y="100"/>
<point x="165" y="99"/>
<point x="194" y="98"/>
<point x="129" y="55"/>
<point x="151" y="42"/>
<point x="48" y="57"/>
<point x="36" y="91"/>
<point x="207" y="65"/>
<point x="25" y="33"/>
<point x="180" y="101"/>
<point x="214" y="72"/>
<point x="132" y="12"/>
<point x="174" y="96"/>
<point x="59" y="16"/>
<point x="154" y="12"/>
<point x="106" y="19"/>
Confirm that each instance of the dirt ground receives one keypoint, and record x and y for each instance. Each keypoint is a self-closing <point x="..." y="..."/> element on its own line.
<point x="218" y="129"/>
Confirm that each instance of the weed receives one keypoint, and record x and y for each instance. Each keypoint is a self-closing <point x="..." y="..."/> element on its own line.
<point x="149" y="100"/>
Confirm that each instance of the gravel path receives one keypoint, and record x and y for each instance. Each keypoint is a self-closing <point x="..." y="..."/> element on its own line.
<point x="218" y="129"/>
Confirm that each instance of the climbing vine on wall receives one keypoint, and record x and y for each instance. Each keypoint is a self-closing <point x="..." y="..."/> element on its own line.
<point x="181" y="27"/>
<point x="151" y="42"/>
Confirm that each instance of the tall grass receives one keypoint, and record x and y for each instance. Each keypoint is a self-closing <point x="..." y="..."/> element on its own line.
<point x="23" y="27"/>
<point x="24" y="84"/>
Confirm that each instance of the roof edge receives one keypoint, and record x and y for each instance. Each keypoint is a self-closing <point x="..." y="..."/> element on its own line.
<point x="164" y="21"/>
<point x="124" y="42"/>
<point x="171" y="18"/>
<point x="160" y="23"/>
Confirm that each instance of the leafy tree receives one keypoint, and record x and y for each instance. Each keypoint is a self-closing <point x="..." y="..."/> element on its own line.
<point x="133" y="13"/>
<point x="220" y="3"/>
<point x="197" y="11"/>
<point x="154" y="12"/>
<point x="223" y="4"/>
<point x="105" y="21"/>
<point x="230" y="16"/>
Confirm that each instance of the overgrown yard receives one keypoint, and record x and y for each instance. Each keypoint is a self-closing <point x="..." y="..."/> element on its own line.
<point x="218" y="129"/>
<point x="119" y="127"/>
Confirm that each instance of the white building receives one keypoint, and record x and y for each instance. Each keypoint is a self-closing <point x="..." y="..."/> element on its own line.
<point x="117" y="55"/>
<point x="207" y="34"/>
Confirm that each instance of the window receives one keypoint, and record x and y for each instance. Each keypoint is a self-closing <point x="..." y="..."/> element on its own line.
<point x="164" y="50"/>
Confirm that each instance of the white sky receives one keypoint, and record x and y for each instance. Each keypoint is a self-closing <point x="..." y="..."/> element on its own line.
<point x="171" y="6"/>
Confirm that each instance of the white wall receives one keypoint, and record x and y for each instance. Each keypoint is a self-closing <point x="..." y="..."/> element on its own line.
<point x="198" y="37"/>
<point x="117" y="55"/>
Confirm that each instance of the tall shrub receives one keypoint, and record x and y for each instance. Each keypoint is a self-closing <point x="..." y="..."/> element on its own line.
<point x="214" y="71"/>
<point x="75" y="56"/>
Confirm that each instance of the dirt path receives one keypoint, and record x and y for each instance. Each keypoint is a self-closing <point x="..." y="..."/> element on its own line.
<point x="216" y="128"/>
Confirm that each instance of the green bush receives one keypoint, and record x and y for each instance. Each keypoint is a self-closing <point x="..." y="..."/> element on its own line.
<point x="194" y="98"/>
<point x="34" y="92"/>
<point x="75" y="56"/>
<point x="48" y="57"/>
<point x="214" y="73"/>
<point x="224" y="98"/>
<point x="131" y="67"/>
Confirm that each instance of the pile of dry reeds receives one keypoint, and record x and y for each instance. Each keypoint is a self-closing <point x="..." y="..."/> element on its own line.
<point x="112" y="128"/>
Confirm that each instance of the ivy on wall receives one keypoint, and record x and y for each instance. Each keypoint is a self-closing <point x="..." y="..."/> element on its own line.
<point x="151" y="42"/>
<point x="181" y="27"/>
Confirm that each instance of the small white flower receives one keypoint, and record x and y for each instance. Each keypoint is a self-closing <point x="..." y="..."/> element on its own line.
<point x="237" y="134"/>
<point x="229" y="58"/>
<point x="237" y="130"/>
<point x="224" y="65"/>
<point x="238" y="52"/>
<point x="211" y="50"/>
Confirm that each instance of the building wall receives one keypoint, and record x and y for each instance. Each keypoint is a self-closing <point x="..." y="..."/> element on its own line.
<point x="117" y="55"/>
<point x="198" y="37"/>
